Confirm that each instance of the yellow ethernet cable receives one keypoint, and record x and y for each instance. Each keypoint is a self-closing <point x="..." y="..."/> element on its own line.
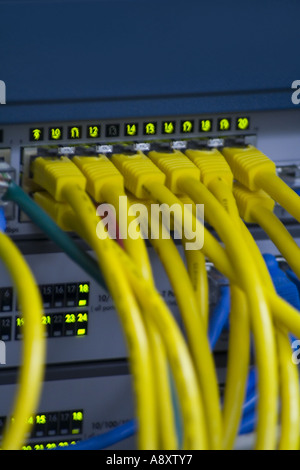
<point x="260" y="315"/>
<point x="105" y="184"/>
<point x="256" y="171"/>
<point x="196" y="266"/>
<point x="280" y="307"/>
<point x="173" y="264"/>
<point x="288" y="372"/>
<point x="135" y="169"/>
<point x="179" y="358"/>
<point x="194" y="436"/>
<point x="217" y="176"/>
<point x="250" y="203"/>
<point x="257" y="207"/>
<point x="237" y="366"/>
<point x="62" y="213"/>
<point x="289" y="392"/>
<point x="62" y="179"/>
<point x="282" y="310"/>
<point x="32" y="369"/>
<point x="159" y="237"/>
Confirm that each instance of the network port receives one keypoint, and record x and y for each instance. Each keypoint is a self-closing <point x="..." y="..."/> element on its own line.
<point x="290" y="174"/>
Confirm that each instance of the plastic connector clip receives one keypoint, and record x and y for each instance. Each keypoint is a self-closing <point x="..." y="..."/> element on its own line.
<point x="246" y="200"/>
<point x="138" y="170"/>
<point x="56" y="210"/>
<point x="211" y="164"/>
<point x="247" y="164"/>
<point x="99" y="172"/>
<point x="53" y="174"/>
<point x="175" y="166"/>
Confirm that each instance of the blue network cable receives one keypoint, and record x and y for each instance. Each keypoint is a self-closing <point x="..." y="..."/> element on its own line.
<point x="219" y="316"/>
<point x="218" y="321"/>
<point x="105" y="440"/>
<point x="286" y="287"/>
<point x="2" y="219"/>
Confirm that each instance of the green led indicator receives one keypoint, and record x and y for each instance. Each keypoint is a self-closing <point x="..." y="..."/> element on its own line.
<point x="63" y="444"/>
<point x="77" y="415"/>
<point x="46" y="320"/>
<point x="81" y="332"/>
<point x="70" y="318"/>
<point x="131" y="129"/>
<point x="149" y="128"/>
<point x="187" y="126"/>
<point x="74" y="132"/>
<point x="93" y="132"/>
<point x="30" y="420"/>
<point x="40" y="419"/>
<point x="20" y="321"/>
<point x="82" y="317"/>
<point x="168" y="127"/>
<point x="55" y="133"/>
<point x="205" y="125"/>
<point x="224" y="124"/>
<point x="36" y="134"/>
<point x="84" y="288"/>
<point x="39" y="447"/>
<point x="242" y="123"/>
<point x="82" y="303"/>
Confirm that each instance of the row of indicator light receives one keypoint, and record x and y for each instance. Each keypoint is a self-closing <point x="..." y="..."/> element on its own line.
<point x="74" y="294"/>
<point x="48" y="445"/>
<point x="65" y="295"/>
<point x="132" y="129"/>
<point x="57" y="325"/>
<point x="57" y="423"/>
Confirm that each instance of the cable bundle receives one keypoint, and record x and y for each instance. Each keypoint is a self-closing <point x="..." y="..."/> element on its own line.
<point x="165" y="361"/>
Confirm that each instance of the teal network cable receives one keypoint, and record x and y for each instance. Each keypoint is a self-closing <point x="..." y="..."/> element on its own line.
<point x="16" y="194"/>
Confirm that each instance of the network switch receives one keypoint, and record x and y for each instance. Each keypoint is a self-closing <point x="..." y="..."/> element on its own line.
<point x="86" y="402"/>
<point x="119" y="78"/>
<point x="275" y="133"/>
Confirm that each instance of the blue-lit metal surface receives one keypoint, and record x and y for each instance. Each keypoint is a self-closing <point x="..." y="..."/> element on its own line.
<point x="88" y="59"/>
